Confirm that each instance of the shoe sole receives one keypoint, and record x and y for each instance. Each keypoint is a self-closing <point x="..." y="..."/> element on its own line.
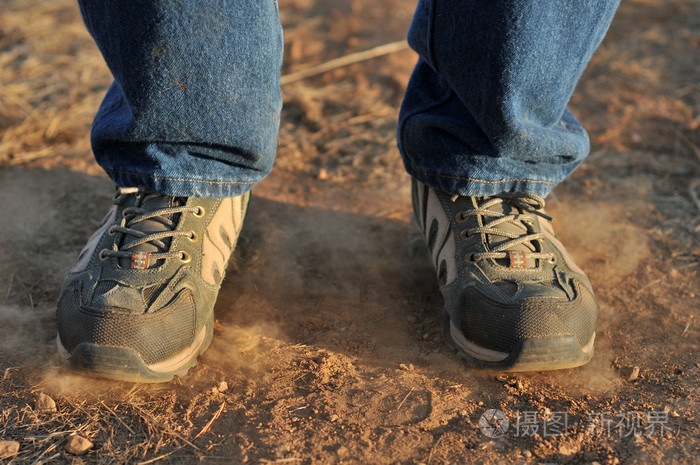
<point x="124" y="364"/>
<point x="530" y="354"/>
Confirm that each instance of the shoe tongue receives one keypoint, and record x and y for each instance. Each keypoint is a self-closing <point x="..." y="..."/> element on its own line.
<point x="516" y="254"/>
<point x="150" y="203"/>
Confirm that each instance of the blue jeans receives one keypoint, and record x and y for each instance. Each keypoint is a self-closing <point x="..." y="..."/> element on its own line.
<point x="195" y="104"/>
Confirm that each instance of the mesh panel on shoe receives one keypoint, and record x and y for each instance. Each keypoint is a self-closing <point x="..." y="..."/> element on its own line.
<point x="500" y="326"/>
<point x="105" y="286"/>
<point x="155" y="336"/>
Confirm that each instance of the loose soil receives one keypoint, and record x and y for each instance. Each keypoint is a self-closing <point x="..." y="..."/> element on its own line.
<point x="327" y="347"/>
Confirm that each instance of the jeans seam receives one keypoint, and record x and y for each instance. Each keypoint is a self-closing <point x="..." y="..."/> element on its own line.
<point x="484" y="181"/>
<point x="431" y="42"/>
<point x="165" y="178"/>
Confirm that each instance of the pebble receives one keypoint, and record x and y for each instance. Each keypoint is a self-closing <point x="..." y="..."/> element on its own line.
<point x="411" y="319"/>
<point x="630" y="373"/>
<point x="78" y="445"/>
<point x="45" y="403"/>
<point x="567" y="449"/>
<point x="222" y="387"/>
<point x="527" y="454"/>
<point x="333" y="417"/>
<point x="8" y="449"/>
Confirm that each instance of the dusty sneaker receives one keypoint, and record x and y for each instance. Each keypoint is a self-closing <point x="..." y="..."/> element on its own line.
<point x="514" y="298"/>
<point x="138" y="304"/>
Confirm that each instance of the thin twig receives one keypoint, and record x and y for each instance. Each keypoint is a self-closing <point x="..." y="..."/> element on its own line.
<point x="287" y="460"/>
<point x="148" y="417"/>
<point x="213" y="419"/>
<point x="693" y="192"/>
<point x="685" y="330"/>
<point x="29" y="294"/>
<point x="430" y="456"/>
<point x="48" y="459"/>
<point x="345" y="61"/>
<point x="118" y="418"/>
<point x="404" y="400"/>
<point x="161" y="457"/>
<point x="49" y="449"/>
<point x="9" y="286"/>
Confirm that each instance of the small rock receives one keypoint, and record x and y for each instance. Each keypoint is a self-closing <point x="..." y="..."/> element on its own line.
<point x="568" y="449"/>
<point x="333" y="417"/>
<point x="222" y="387"/>
<point x="426" y="336"/>
<point x="78" y="445"/>
<point x="411" y="319"/>
<point x="323" y="174"/>
<point x="502" y="377"/>
<point x="403" y="366"/>
<point x="342" y="451"/>
<point x="44" y="403"/>
<point x="675" y="414"/>
<point x="630" y="373"/>
<point x="527" y="454"/>
<point x="8" y="449"/>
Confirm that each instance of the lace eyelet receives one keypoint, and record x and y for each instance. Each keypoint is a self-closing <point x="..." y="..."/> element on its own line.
<point x="185" y="257"/>
<point x="471" y="258"/>
<point x="111" y="231"/>
<point x="193" y="236"/>
<point x="102" y="256"/>
<point x="201" y="211"/>
<point x="552" y="260"/>
<point x="460" y="217"/>
<point x="464" y="235"/>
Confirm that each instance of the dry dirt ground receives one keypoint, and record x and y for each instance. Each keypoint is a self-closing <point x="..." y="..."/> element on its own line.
<point x="327" y="335"/>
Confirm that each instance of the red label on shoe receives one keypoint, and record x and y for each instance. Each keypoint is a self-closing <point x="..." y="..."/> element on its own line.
<point x="140" y="260"/>
<point x="517" y="259"/>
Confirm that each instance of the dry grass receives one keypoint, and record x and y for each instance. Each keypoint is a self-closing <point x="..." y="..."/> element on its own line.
<point x="52" y="78"/>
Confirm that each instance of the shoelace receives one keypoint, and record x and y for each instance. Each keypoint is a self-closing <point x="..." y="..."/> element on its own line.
<point x="134" y="215"/>
<point x="526" y="202"/>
